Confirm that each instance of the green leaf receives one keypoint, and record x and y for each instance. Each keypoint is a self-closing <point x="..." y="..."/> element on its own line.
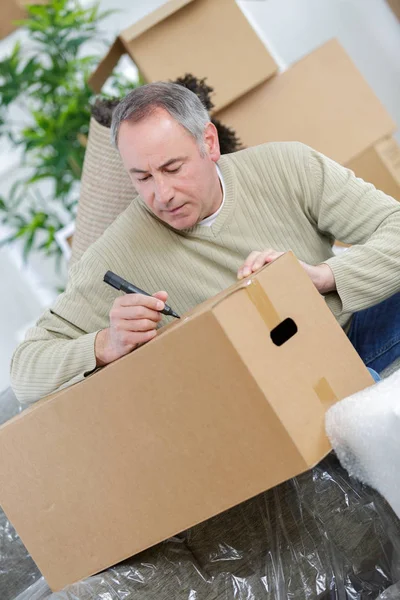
<point x="74" y="44"/>
<point x="48" y="75"/>
<point x="28" y="245"/>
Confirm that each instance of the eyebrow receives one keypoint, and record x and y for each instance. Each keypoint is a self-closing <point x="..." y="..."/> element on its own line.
<point x="163" y="166"/>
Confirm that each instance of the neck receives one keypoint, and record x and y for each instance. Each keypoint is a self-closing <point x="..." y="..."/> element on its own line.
<point x="216" y="198"/>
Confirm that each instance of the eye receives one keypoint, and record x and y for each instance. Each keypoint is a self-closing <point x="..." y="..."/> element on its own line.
<point x="144" y="178"/>
<point x="174" y="170"/>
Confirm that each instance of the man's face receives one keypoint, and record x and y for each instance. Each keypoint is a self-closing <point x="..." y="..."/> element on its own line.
<point x="178" y="184"/>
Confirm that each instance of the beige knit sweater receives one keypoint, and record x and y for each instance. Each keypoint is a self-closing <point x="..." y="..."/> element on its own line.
<point x="280" y="195"/>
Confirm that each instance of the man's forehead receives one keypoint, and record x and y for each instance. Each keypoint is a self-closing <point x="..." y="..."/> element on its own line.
<point x="156" y="142"/>
<point x="168" y="163"/>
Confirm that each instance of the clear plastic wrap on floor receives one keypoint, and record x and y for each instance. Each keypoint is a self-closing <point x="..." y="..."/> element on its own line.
<point x="319" y="536"/>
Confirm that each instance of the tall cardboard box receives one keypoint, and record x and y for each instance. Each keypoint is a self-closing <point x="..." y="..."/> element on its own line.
<point x="224" y="404"/>
<point x="322" y="101"/>
<point x="208" y="38"/>
<point x="380" y="165"/>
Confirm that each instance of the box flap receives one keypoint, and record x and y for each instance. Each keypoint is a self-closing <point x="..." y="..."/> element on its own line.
<point x="105" y="67"/>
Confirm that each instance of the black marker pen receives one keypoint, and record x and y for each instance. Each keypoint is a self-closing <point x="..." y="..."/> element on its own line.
<point x="124" y="286"/>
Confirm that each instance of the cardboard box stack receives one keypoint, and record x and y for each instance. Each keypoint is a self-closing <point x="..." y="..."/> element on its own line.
<point x="322" y="100"/>
<point x="229" y="401"/>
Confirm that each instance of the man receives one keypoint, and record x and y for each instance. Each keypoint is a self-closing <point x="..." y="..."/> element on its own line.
<point x="201" y="221"/>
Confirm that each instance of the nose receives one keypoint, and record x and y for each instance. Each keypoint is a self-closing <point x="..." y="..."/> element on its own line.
<point x="163" y="192"/>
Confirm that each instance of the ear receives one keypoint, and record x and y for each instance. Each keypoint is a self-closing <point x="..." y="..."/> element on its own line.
<point x="211" y="142"/>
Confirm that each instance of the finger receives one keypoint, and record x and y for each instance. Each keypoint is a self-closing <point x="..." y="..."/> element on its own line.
<point x="141" y="300"/>
<point x="267" y="259"/>
<point x="131" y="313"/>
<point x="161" y="296"/>
<point x="140" y="325"/>
<point x="124" y="326"/>
<point x="254" y="258"/>
<point x="262" y="259"/>
<point x="245" y="269"/>
<point x="250" y="259"/>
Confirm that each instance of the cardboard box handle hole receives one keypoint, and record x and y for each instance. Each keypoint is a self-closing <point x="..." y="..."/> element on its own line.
<point x="283" y="332"/>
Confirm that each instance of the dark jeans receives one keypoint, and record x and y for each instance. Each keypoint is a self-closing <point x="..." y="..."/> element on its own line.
<point x="375" y="333"/>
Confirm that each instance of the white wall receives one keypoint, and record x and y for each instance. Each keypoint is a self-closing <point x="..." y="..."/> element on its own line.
<point x="367" y="29"/>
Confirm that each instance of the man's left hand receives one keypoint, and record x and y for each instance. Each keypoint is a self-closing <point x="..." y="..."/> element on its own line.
<point x="321" y="275"/>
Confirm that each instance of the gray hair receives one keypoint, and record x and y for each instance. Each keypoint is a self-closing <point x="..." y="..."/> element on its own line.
<point x="182" y="104"/>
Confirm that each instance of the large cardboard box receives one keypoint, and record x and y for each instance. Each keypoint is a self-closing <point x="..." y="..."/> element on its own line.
<point x="207" y="38"/>
<point x="380" y="165"/>
<point x="322" y="101"/>
<point x="224" y="404"/>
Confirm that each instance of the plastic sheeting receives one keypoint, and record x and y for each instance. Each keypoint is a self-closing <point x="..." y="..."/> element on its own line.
<point x="319" y="536"/>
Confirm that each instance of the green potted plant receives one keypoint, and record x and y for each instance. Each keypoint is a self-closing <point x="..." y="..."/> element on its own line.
<point x="47" y="81"/>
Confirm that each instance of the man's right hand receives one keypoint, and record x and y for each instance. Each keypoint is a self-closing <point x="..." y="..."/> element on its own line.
<point x="133" y="322"/>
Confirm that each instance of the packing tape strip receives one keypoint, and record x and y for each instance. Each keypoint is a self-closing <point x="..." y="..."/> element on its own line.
<point x="263" y="304"/>
<point x="324" y="392"/>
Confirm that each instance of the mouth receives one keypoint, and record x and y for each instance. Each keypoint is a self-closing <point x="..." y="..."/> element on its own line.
<point x="174" y="211"/>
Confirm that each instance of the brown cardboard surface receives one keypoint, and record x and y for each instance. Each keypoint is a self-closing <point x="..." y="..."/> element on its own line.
<point x="322" y="101"/>
<point x="395" y="6"/>
<point x="106" y="66"/>
<point x="11" y="11"/>
<point x="205" y="416"/>
<point x="208" y="38"/>
<point x="380" y="165"/>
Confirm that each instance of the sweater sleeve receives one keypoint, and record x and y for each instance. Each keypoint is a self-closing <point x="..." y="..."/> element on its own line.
<point x="355" y="212"/>
<point x="59" y="350"/>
